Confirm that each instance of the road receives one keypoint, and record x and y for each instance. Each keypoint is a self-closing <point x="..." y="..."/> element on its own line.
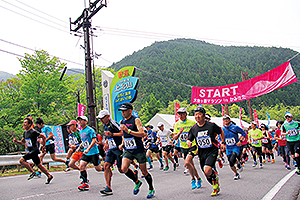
<point x="255" y="183"/>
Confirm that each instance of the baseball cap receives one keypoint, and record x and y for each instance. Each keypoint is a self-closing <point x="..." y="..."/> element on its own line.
<point x="226" y="116"/>
<point x="148" y="126"/>
<point x="182" y="110"/>
<point x="160" y="124"/>
<point x="83" y="118"/>
<point x="126" y="106"/>
<point x="72" y="122"/>
<point x="200" y="109"/>
<point x="254" y="122"/>
<point x="288" y="115"/>
<point x="102" y="114"/>
<point x="207" y="116"/>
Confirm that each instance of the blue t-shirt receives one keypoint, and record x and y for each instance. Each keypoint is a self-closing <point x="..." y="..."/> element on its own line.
<point x="152" y="138"/>
<point x="115" y="141"/>
<point x="232" y="134"/>
<point x="87" y="136"/>
<point x="46" y="130"/>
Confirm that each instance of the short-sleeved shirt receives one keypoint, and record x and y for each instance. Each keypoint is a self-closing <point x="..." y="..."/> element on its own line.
<point x="254" y="134"/>
<point x="31" y="140"/>
<point x="115" y="141"/>
<point x="205" y="136"/>
<point x="293" y="127"/>
<point x="278" y="134"/>
<point x="232" y="134"/>
<point x="74" y="139"/>
<point x="165" y="137"/>
<point x="187" y="125"/>
<point x="152" y="138"/>
<point x="46" y="130"/>
<point x="133" y="144"/>
<point x="87" y="134"/>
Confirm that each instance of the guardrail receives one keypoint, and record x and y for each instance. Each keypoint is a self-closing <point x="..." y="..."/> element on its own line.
<point x="7" y="160"/>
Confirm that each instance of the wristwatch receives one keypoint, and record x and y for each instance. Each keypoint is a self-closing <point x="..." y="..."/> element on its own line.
<point x="129" y="130"/>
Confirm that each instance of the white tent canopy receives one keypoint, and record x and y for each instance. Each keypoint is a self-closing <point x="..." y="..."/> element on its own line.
<point x="169" y="121"/>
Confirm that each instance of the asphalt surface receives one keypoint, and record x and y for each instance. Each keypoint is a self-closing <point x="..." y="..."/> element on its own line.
<point x="255" y="183"/>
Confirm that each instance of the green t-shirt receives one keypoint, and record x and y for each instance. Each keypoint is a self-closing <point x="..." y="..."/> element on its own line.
<point x="254" y="134"/>
<point x="293" y="127"/>
<point x="187" y="125"/>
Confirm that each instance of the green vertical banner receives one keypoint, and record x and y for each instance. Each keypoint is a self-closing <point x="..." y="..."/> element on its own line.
<point x="123" y="90"/>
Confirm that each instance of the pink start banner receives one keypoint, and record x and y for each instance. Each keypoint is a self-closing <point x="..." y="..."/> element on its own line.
<point x="276" y="78"/>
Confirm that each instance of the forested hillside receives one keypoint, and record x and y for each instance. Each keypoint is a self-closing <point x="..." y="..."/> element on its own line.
<point x="198" y="63"/>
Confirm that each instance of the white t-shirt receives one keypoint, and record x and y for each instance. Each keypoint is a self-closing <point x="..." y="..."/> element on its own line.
<point x="165" y="137"/>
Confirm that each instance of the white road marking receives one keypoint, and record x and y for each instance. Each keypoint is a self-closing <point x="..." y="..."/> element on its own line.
<point x="271" y="194"/>
<point x="31" y="196"/>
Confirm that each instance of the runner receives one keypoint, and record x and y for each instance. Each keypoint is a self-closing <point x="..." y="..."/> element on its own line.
<point x="164" y="136"/>
<point x="181" y="129"/>
<point x="266" y="144"/>
<point x="283" y="150"/>
<point x="50" y="146"/>
<point x="291" y="130"/>
<point x="205" y="133"/>
<point x="154" y="146"/>
<point x="114" y="135"/>
<point x="74" y="144"/>
<point x="255" y="135"/>
<point x="90" y="153"/>
<point x="233" y="138"/>
<point x="134" y="149"/>
<point x="30" y="138"/>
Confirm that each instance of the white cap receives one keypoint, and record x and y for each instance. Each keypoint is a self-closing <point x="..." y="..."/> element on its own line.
<point x="160" y="124"/>
<point x="254" y="122"/>
<point x="102" y="114"/>
<point x="288" y="115"/>
<point x="182" y="110"/>
<point x="83" y="118"/>
<point x="226" y="116"/>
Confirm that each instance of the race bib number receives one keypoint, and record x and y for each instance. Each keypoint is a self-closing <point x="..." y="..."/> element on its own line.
<point x="184" y="136"/>
<point x="265" y="141"/>
<point x="293" y="132"/>
<point x="111" y="143"/>
<point x="204" y="141"/>
<point x="163" y="139"/>
<point x="230" y="141"/>
<point x="28" y="142"/>
<point x="130" y="143"/>
<point x="255" y="142"/>
<point x="85" y="144"/>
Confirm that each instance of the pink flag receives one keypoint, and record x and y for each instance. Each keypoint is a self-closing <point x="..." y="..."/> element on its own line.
<point x="223" y="113"/>
<point x="241" y="117"/>
<point x="276" y="78"/>
<point x="80" y="110"/>
<point x="255" y="117"/>
<point x="177" y="106"/>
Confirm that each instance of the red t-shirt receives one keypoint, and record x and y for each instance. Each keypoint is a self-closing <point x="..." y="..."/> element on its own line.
<point x="278" y="134"/>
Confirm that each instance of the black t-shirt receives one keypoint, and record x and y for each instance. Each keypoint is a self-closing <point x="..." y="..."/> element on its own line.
<point x="31" y="139"/>
<point x="133" y="144"/>
<point x="205" y="136"/>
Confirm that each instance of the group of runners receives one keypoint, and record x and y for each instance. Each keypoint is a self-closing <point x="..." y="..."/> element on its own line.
<point x="128" y="141"/>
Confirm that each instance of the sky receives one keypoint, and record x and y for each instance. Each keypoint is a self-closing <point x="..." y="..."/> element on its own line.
<point x="126" y="26"/>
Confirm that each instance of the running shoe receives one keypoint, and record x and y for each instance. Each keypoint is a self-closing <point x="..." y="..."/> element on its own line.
<point x="83" y="187"/>
<point x="194" y="186"/>
<point x="273" y="160"/>
<point x="260" y="165"/>
<point x="237" y="176"/>
<point x="106" y="191"/>
<point x="186" y="171"/>
<point x="31" y="176"/>
<point x="68" y="169"/>
<point x="67" y="163"/>
<point x="177" y="164"/>
<point x="269" y="160"/>
<point x="49" y="179"/>
<point x="220" y="163"/>
<point x="151" y="194"/>
<point x="38" y="174"/>
<point x="137" y="187"/>
<point x="216" y="183"/>
<point x="254" y="164"/>
<point x="199" y="183"/>
<point x="298" y="171"/>
<point x="166" y="168"/>
<point x="288" y="167"/>
<point x="161" y="167"/>
<point x="174" y="166"/>
<point x="150" y="167"/>
<point x="264" y="161"/>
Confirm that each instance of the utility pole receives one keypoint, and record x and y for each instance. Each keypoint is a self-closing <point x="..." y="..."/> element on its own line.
<point x="83" y="21"/>
<point x="245" y="77"/>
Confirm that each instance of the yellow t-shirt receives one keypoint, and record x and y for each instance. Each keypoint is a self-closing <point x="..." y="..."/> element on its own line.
<point x="187" y="125"/>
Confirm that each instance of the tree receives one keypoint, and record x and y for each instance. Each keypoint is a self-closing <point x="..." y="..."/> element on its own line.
<point x="149" y="109"/>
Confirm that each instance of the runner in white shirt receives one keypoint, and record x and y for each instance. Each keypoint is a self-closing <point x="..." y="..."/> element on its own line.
<point x="164" y="136"/>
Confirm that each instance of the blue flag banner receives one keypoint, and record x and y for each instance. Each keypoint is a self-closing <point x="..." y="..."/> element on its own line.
<point x="268" y="119"/>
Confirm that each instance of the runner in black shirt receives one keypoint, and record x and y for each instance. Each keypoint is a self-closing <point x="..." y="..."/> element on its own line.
<point x="30" y="138"/>
<point x="205" y="134"/>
